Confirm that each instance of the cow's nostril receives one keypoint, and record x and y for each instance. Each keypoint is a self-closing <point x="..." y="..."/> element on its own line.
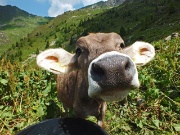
<point x="127" y="65"/>
<point x="97" y="69"/>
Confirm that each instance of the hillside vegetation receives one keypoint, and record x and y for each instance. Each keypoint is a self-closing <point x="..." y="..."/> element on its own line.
<point x="147" y="20"/>
<point x="28" y="94"/>
<point x="16" y="24"/>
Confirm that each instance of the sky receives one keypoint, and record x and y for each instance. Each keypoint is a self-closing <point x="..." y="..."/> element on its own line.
<point x="51" y="8"/>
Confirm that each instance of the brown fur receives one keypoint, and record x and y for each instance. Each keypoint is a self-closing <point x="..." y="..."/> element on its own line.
<point x="73" y="87"/>
<point x="111" y="75"/>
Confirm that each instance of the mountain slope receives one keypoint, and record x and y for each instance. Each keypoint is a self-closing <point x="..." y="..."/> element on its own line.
<point x="15" y="24"/>
<point x="7" y="13"/>
<point x="147" y="20"/>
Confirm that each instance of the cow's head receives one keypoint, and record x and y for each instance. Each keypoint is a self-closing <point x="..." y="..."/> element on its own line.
<point x="108" y="66"/>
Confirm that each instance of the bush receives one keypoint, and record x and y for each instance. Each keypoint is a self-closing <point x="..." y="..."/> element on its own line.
<point x="26" y="97"/>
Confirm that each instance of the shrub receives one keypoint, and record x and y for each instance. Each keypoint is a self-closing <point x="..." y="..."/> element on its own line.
<point x="26" y="97"/>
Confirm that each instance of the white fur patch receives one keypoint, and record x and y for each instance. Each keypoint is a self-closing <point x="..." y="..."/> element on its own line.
<point x="100" y="123"/>
<point x="117" y="96"/>
<point x="142" y="58"/>
<point x="94" y="89"/>
<point x="54" y="60"/>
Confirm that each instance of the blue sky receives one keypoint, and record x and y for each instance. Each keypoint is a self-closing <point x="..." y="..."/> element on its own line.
<point x="50" y="8"/>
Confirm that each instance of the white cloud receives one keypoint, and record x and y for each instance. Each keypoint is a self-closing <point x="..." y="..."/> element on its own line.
<point x="3" y="2"/>
<point x="58" y="7"/>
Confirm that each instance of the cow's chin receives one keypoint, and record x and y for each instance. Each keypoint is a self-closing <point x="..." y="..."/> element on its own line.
<point x="109" y="95"/>
<point x="114" y="95"/>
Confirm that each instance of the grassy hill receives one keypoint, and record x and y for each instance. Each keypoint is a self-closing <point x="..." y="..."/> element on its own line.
<point x="147" y="20"/>
<point x="15" y="24"/>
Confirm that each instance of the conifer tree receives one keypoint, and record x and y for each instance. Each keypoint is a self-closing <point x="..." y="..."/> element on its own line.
<point x="122" y="32"/>
<point x="171" y="7"/>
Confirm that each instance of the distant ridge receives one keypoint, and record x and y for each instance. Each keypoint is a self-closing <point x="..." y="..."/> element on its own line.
<point x="102" y="4"/>
<point x="7" y="13"/>
<point x="113" y="3"/>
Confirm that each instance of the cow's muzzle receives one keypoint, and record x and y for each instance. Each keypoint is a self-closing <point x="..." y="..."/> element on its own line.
<point x="111" y="76"/>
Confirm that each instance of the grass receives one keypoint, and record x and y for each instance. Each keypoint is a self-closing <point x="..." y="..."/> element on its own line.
<point x="153" y="109"/>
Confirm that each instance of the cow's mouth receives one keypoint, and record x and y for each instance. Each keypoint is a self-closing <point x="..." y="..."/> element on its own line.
<point x="110" y="95"/>
<point x="114" y="95"/>
<point x="112" y="81"/>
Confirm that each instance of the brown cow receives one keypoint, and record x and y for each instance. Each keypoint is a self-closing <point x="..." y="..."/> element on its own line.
<point x="100" y="70"/>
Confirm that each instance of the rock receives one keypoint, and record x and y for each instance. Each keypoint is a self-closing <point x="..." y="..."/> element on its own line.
<point x="167" y="38"/>
<point x="173" y="35"/>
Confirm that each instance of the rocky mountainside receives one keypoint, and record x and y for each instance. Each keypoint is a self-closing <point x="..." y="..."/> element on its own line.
<point x="109" y="4"/>
<point x="114" y="2"/>
<point x="105" y="4"/>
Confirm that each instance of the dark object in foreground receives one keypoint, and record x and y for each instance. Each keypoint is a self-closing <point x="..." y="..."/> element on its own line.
<point x="64" y="126"/>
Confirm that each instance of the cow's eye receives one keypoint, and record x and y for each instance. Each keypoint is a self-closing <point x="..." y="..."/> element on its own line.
<point x="122" y="45"/>
<point x="78" y="52"/>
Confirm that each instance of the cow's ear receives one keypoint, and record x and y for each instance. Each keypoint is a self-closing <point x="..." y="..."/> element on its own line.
<point x="55" y="60"/>
<point x="140" y="52"/>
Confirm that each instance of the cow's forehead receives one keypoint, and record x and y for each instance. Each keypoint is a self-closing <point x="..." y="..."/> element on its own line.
<point x="103" y="41"/>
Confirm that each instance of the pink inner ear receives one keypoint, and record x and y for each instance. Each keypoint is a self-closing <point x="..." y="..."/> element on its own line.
<point x="143" y="50"/>
<point x="52" y="58"/>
